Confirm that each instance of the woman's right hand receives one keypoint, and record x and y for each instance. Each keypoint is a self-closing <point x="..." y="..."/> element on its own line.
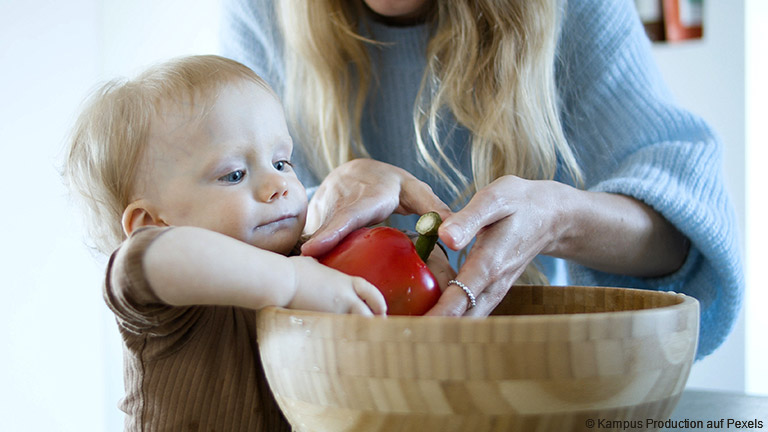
<point x="321" y="288"/>
<point x="360" y="193"/>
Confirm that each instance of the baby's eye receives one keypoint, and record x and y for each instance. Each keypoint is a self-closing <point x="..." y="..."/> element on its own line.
<point x="281" y="165"/>
<point x="233" y="177"/>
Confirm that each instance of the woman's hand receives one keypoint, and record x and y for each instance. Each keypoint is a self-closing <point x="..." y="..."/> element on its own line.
<point x="514" y="220"/>
<point x="321" y="288"/>
<point x="363" y="192"/>
<point x="441" y="268"/>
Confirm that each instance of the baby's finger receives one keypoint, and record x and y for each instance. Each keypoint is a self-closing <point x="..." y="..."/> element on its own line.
<point x="371" y="295"/>
<point x="360" y="308"/>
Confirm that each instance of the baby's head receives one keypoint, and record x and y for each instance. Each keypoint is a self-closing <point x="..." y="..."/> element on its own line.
<point x="197" y="141"/>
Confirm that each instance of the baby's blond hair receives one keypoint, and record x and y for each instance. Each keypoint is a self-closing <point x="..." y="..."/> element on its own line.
<point x="110" y="136"/>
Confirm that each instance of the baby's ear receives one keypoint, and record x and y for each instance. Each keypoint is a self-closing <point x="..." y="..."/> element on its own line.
<point x="139" y="214"/>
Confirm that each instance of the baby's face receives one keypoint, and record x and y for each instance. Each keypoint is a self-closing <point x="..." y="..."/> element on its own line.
<point x="228" y="171"/>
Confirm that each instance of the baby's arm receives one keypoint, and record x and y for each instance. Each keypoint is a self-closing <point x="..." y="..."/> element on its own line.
<point x="194" y="266"/>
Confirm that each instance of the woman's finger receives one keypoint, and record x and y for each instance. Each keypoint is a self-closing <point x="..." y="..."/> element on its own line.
<point x="488" y="206"/>
<point x="417" y="197"/>
<point x="476" y="274"/>
<point x="339" y="223"/>
<point x="497" y="259"/>
<point x="453" y="302"/>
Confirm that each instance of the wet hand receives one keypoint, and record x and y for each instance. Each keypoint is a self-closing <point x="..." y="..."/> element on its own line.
<point x="360" y="193"/>
<point x="513" y="220"/>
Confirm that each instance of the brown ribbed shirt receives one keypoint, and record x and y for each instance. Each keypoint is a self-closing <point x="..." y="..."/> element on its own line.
<point x="191" y="368"/>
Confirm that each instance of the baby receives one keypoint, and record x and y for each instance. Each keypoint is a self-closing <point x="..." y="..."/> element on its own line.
<point x="186" y="170"/>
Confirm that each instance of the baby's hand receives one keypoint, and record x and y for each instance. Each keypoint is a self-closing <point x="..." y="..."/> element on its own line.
<point x="322" y="288"/>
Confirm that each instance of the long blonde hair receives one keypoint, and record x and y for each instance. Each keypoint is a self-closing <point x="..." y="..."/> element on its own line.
<point x="109" y="138"/>
<point x="491" y="63"/>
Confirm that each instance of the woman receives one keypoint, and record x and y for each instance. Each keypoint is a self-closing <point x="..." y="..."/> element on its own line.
<point x="537" y="128"/>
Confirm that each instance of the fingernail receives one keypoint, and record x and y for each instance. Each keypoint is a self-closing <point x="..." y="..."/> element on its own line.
<point x="304" y="248"/>
<point x="454" y="232"/>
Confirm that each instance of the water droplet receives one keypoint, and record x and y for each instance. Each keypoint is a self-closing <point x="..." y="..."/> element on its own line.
<point x="296" y="320"/>
<point x="407" y="332"/>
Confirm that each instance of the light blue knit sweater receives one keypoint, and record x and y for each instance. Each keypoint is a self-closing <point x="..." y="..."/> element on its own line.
<point x="627" y="132"/>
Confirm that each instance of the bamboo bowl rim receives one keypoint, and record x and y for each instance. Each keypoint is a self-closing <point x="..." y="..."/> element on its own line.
<point x="676" y="302"/>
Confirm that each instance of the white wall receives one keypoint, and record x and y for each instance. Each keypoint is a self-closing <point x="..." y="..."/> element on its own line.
<point x="757" y="198"/>
<point x="707" y="76"/>
<point x="51" y="333"/>
<point x="722" y="78"/>
<point x="60" y="366"/>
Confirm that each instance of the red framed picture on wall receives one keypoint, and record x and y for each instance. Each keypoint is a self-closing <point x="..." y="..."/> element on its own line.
<point x="671" y="20"/>
<point x="650" y="13"/>
<point x="683" y="19"/>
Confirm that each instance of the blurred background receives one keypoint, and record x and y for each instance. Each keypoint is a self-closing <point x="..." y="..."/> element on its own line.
<point x="60" y="353"/>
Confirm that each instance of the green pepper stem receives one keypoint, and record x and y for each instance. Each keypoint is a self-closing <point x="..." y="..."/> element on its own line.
<point x="427" y="228"/>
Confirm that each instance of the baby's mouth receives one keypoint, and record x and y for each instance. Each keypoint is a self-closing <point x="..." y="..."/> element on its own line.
<point x="280" y="222"/>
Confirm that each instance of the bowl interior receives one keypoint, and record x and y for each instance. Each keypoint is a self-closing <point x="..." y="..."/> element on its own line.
<point x="559" y="300"/>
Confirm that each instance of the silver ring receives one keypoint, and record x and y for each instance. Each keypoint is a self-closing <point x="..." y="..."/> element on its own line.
<point x="467" y="291"/>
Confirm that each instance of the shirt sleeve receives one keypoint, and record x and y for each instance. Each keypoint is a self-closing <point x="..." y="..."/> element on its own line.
<point x="129" y="296"/>
<point x="631" y="138"/>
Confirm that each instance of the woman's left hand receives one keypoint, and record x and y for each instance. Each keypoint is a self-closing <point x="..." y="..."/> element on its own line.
<point x="513" y="220"/>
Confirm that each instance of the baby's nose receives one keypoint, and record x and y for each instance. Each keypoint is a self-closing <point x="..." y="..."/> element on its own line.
<point x="272" y="187"/>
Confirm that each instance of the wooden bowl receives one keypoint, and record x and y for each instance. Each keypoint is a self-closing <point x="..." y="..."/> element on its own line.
<point x="550" y="359"/>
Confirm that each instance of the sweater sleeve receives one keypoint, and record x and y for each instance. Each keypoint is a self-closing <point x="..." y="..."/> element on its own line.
<point x="631" y="138"/>
<point x="249" y="34"/>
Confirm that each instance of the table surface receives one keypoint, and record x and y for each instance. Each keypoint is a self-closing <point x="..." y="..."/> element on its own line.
<point x="709" y="410"/>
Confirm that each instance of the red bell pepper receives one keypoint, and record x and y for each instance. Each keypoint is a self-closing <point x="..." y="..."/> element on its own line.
<point x="388" y="259"/>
